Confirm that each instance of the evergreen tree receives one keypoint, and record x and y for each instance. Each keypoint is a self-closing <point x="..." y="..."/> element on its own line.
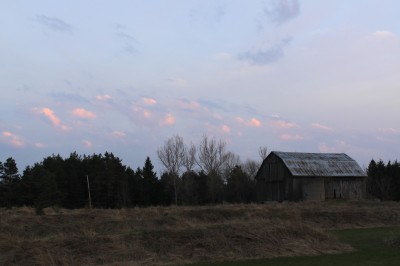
<point x="75" y="194"/>
<point x="39" y="187"/>
<point x="240" y="187"/>
<point x="135" y="191"/>
<point x="9" y="183"/>
<point x="151" y="184"/>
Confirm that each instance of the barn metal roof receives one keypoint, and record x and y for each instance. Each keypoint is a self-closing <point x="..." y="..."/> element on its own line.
<point x="320" y="164"/>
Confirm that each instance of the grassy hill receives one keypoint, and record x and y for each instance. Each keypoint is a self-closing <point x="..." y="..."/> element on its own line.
<point x="181" y="235"/>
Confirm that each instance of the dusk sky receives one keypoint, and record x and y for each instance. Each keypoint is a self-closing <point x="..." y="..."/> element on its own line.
<point x="124" y="76"/>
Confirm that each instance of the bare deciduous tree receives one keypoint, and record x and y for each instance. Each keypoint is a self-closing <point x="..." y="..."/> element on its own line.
<point x="250" y="167"/>
<point x="189" y="159"/>
<point x="231" y="161"/>
<point x="212" y="155"/>
<point x="263" y="152"/>
<point x="172" y="156"/>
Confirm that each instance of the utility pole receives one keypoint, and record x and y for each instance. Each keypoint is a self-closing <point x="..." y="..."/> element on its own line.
<point x="88" y="188"/>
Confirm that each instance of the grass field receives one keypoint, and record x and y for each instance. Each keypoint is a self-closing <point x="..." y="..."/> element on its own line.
<point x="311" y="233"/>
<point x="372" y="247"/>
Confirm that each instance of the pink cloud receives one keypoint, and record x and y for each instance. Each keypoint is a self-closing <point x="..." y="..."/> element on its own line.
<point x="13" y="139"/>
<point x="320" y="126"/>
<point x="51" y="116"/>
<point x="284" y="124"/>
<point x="104" y="97"/>
<point x="82" y="113"/>
<point x="47" y="112"/>
<point x="7" y="134"/>
<point x="289" y="137"/>
<point x="142" y="112"/>
<point x="149" y="101"/>
<point x="254" y="122"/>
<point x="225" y="129"/>
<point x="146" y="114"/>
<point x="169" y="120"/>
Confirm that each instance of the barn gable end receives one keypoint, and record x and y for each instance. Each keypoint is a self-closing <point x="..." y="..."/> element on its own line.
<point x="309" y="176"/>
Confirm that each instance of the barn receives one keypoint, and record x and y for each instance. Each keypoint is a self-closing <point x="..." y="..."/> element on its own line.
<point x="309" y="176"/>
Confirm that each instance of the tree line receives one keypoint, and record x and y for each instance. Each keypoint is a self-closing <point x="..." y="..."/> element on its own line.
<point x="383" y="180"/>
<point x="192" y="175"/>
<point x="206" y="173"/>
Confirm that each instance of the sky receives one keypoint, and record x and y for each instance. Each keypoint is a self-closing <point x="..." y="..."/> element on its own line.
<point x="124" y="76"/>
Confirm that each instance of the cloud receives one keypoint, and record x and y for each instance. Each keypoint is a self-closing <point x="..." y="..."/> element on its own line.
<point x="264" y="57"/>
<point x="239" y="119"/>
<point x="289" y="137"/>
<point x="39" y="145"/>
<point x="149" y="101"/>
<point x="169" y="120"/>
<point x="281" y="11"/>
<point x="47" y="112"/>
<point x="323" y="147"/>
<point x="384" y="34"/>
<point x="321" y="127"/>
<point x="51" y="116"/>
<point x="128" y="40"/>
<point x="126" y="36"/>
<point x="339" y="146"/>
<point x="186" y="104"/>
<point x="389" y="134"/>
<point x="389" y="130"/>
<point x="104" y="97"/>
<point x="254" y="122"/>
<point x="118" y="134"/>
<point x="54" y="23"/>
<point x="82" y="113"/>
<point x="12" y="139"/>
<point x="283" y="124"/>
<point x="87" y="143"/>
<point x="142" y="112"/>
<point x="225" y="129"/>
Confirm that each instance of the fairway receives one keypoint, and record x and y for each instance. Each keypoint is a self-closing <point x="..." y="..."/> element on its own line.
<point x="373" y="246"/>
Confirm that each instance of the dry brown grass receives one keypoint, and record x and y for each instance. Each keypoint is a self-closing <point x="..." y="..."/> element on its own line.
<point x="178" y="235"/>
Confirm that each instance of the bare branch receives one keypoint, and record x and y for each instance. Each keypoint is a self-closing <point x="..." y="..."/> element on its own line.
<point x="263" y="152"/>
<point x="212" y="155"/>
<point x="190" y="157"/>
<point x="172" y="154"/>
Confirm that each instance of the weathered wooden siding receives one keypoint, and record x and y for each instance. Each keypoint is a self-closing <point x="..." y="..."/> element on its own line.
<point x="273" y="170"/>
<point x="347" y="188"/>
<point x="274" y="185"/>
<point x="312" y="188"/>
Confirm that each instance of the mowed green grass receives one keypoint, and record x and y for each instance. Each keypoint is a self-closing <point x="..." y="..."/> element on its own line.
<point x="373" y="247"/>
